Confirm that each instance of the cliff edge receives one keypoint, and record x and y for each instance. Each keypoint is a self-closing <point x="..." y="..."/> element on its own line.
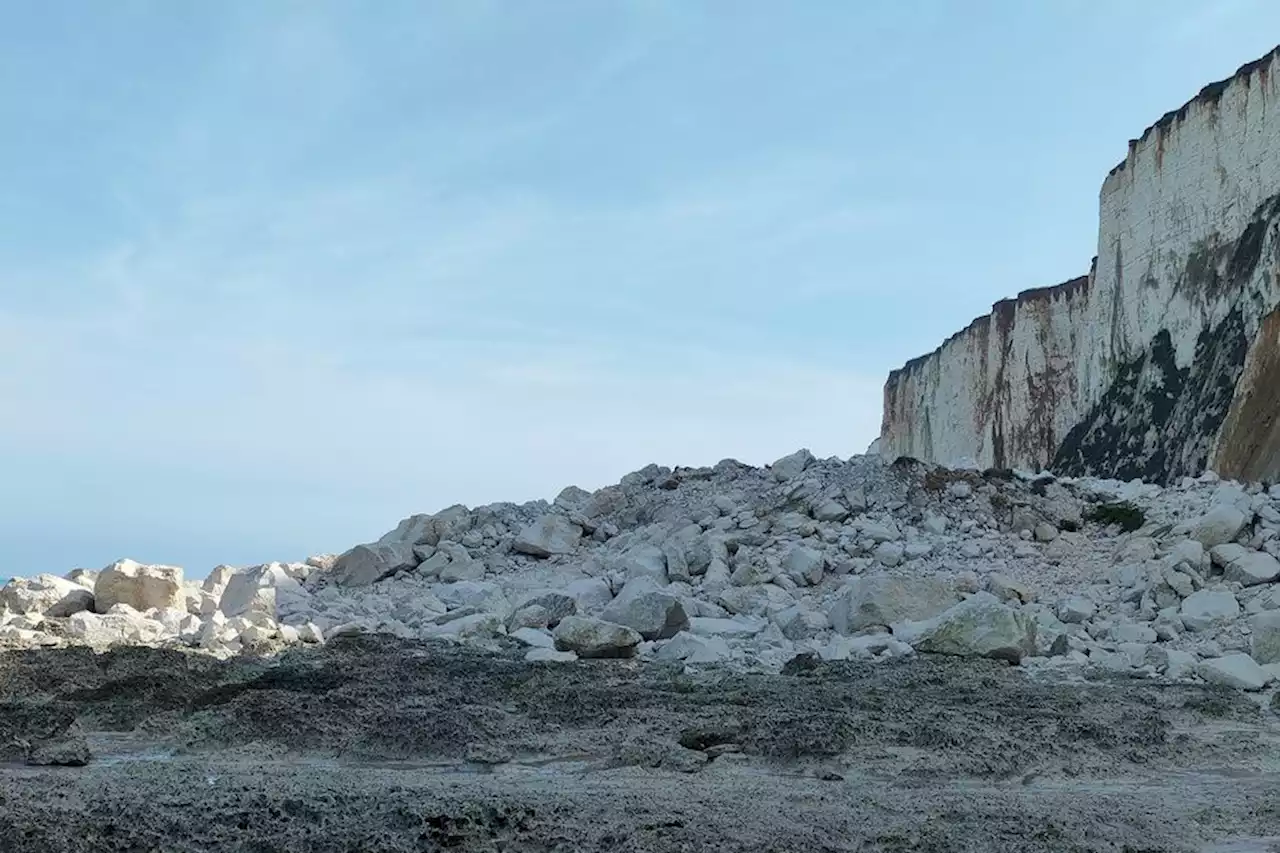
<point x="1164" y="359"/>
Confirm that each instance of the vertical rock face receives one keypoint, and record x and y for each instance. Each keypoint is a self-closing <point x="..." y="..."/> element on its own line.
<point x="1165" y="358"/>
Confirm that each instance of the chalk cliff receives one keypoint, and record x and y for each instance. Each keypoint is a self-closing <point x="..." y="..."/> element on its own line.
<point x="1165" y="358"/>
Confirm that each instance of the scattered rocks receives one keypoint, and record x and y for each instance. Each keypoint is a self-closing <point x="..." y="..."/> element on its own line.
<point x="744" y="567"/>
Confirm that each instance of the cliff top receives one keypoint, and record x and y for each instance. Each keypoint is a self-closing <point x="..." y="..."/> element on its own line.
<point x="1210" y="94"/>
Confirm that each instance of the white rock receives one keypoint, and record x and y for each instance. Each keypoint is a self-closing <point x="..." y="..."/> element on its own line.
<point x="873" y="600"/>
<point x="1265" y="637"/>
<point x="1076" y="609"/>
<point x="595" y="638"/>
<point x="791" y="466"/>
<point x="1171" y="662"/>
<point x="980" y="626"/>
<point x="311" y="633"/>
<point x="695" y="649"/>
<point x="217" y="580"/>
<point x="761" y="600"/>
<point x="367" y="564"/>
<point x="1007" y="589"/>
<point x="452" y="562"/>
<point x="1238" y="670"/>
<point x="889" y="553"/>
<point x="262" y="589"/>
<point x="139" y="586"/>
<point x="1045" y="532"/>
<point x="550" y="534"/>
<point x="643" y="561"/>
<point x="539" y="654"/>
<point x="650" y="611"/>
<point x="803" y="564"/>
<point x="534" y="637"/>
<point x="935" y="523"/>
<point x="745" y="626"/>
<point x="49" y="595"/>
<point x="1129" y="632"/>
<point x="1255" y="567"/>
<point x="1207" y="609"/>
<point x="591" y="594"/>
<point x="1219" y="525"/>
<point x="798" y="623"/>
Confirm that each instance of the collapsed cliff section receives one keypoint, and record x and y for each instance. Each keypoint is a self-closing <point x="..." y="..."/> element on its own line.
<point x="1162" y="360"/>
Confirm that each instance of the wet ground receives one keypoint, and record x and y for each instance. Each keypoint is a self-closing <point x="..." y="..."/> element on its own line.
<point x="375" y="744"/>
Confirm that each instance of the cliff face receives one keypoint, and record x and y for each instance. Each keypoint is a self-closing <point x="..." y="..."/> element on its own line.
<point x="1165" y="358"/>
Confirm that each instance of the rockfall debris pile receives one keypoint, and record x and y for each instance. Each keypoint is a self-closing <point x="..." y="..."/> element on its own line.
<point x="751" y="569"/>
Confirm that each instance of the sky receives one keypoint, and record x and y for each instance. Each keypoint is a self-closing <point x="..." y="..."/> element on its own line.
<point x="274" y="276"/>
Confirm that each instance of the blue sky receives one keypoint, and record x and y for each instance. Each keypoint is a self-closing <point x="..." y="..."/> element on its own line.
<point x="275" y="275"/>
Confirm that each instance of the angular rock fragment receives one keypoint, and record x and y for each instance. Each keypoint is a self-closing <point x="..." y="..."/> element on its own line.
<point x="550" y="534"/>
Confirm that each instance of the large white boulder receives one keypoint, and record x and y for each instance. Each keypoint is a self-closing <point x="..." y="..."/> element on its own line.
<point x="142" y="587"/>
<point x="1218" y="526"/>
<point x="1237" y="670"/>
<point x="980" y="626"/>
<point x="792" y="465"/>
<point x="367" y="564"/>
<point x="652" y="612"/>
<point x="873" y="600"/>
<point x="1252" y="568"/>
<point x="1208" y="609"/>
<point x="268" y="589"/>
<point x="550" y="534"/>
<point x="48" y="595"/>
<point x="595" y="638"/>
